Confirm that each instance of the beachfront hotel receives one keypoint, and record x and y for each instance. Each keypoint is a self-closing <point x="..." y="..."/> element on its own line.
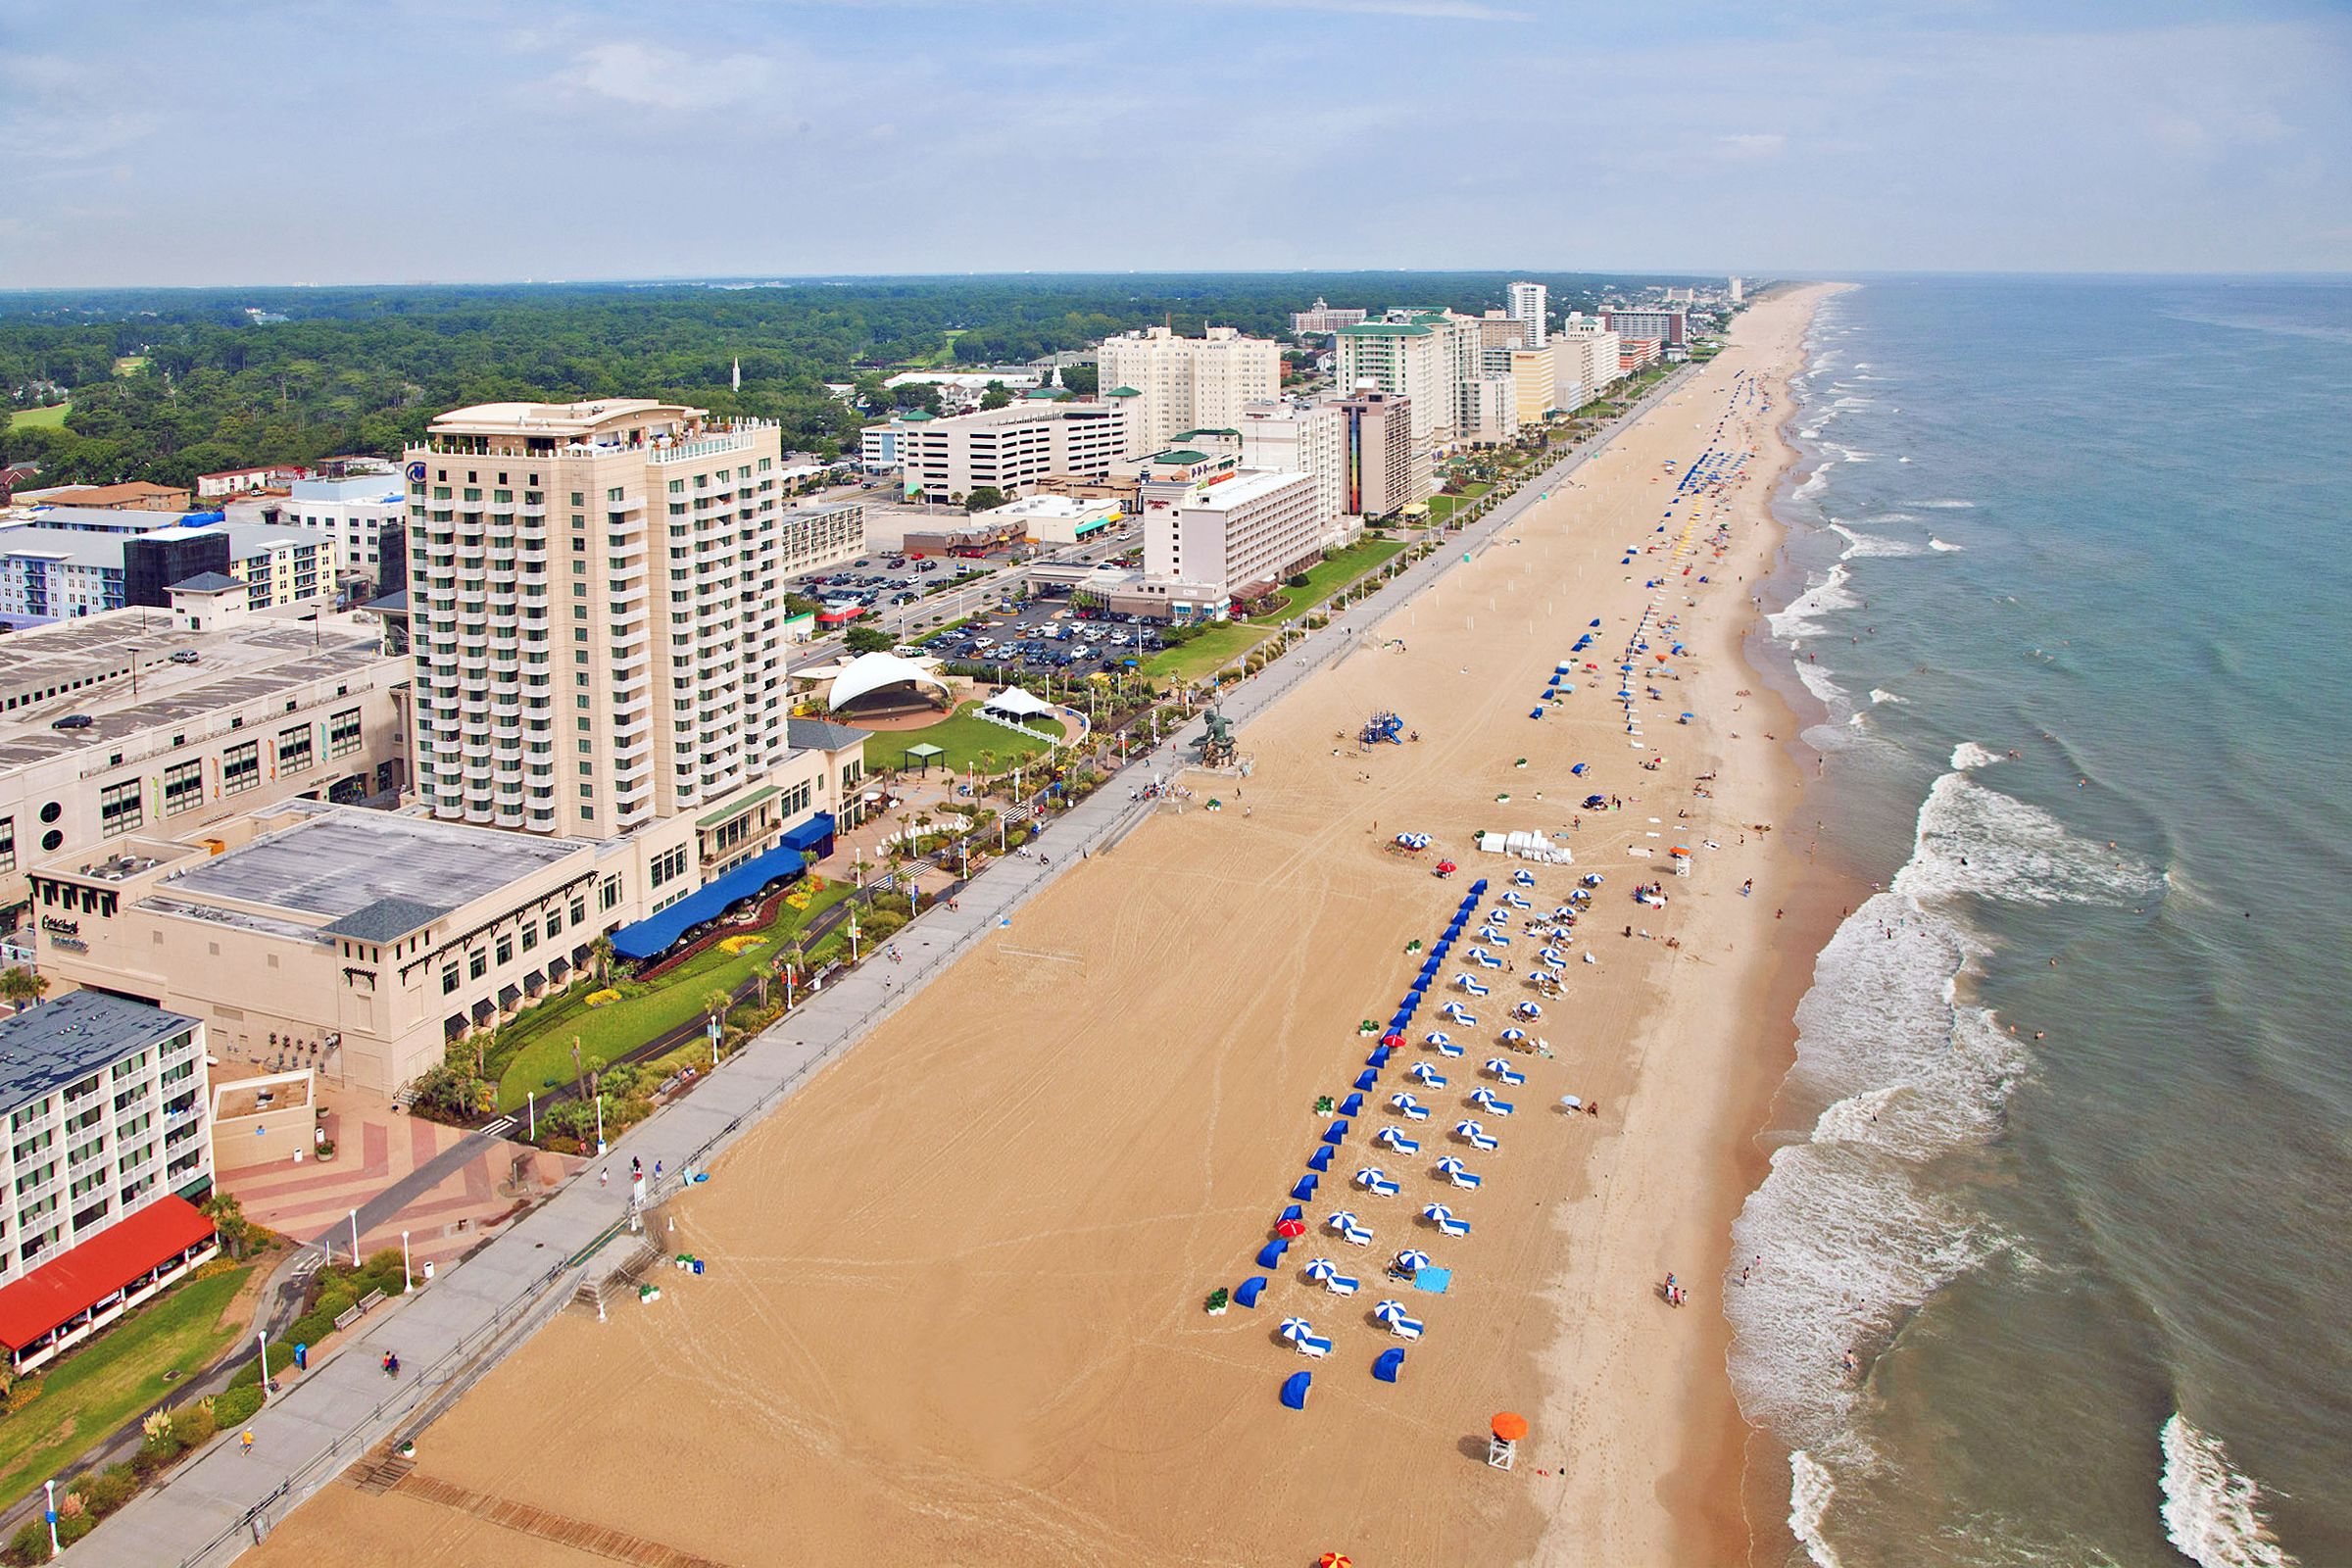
<point x="1186" y="383"/>
<point x="1011" y="449"/>
<point x="1413" y="361"/>
<point x="596" y="608"/>
<point x="1529" y="304"/>
<point x="1293" y="435"/>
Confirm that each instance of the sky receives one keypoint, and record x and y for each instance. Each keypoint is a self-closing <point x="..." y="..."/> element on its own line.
<point x="317" y="142"/>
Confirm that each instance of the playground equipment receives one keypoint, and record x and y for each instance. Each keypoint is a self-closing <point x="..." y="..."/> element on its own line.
<point x="1382" y="726"/>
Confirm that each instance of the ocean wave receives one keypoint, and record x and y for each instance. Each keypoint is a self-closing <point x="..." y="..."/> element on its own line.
<point x="1946" y="504"/>
<point x="1830" y="593"/>
<point x="1817" y="681"/>
<point x="1977" y="841"/>
<point x="1810" y="1488"/>
<point x="1862" y="544"/>
<point x="1879" y="694"/>
<point x="1815" y="483"/>
<point x="1969" y="755"/>
<point x="1937" y="544"/>
<point x="2211" y="1512"/>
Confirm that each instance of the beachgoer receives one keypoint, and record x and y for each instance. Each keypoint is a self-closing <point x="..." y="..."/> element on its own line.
<point x="246" y="1441"/>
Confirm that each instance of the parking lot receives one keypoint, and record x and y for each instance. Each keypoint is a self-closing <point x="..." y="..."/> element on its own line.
<point x="1047" y="635"/>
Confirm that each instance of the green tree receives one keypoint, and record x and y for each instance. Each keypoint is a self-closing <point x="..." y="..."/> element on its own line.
<point x="237" y="1233"/>
<point x="994" y="396"/>
<point x="984" y="497"/>
<point x="23" y="987"/>
<point x="1083" y="380"/>
<point x="867" y="639"/>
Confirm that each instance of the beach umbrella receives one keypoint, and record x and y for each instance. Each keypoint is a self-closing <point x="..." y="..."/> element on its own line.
<point x="1321" y="1269"/>
<point x="1438" y="1214"/>
<point x="1369" y="1175"/>
<point x="1295" y="1329"/>
<point x="1469" y="1129"/>
<point x="1511" y="1427"/>
<point x="1391" y="1040"/>
<point x="1404" y="1101"/>
<point x="1552" y="954"/>
<point x="1290" y="1229"/>
<point x="1394" y="1138"/>
<point x="1499" y="1066"/>
<point x="1343" y="1220"/>
<point x="1450" y="1167"/>
<point x="1437" y="1038"/>
<point x="1389" y="1313"/>
<point x="1410" y="1261"/>
<point x="1336" y="1560"/>
<point x="1572" y="1103"/>
<point x="1530" y="1010"/>
<point x="1513" y="1034"/>
<point x="1428" y="1075"/>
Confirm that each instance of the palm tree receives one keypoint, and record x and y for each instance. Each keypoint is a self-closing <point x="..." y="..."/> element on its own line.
<point x="601" y="950"/>
<point x="23" y="987"/>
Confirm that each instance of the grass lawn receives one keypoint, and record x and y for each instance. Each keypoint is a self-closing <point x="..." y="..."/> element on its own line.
<point x="103" y="1384"/>
<point x="130" y="363"/>
<point x="49" y="418"/>
<point x="1213" y="650"/>
<point x="619" y="1027"/>
<point x="964" y="736"/>
<point x="1221" y="645"/>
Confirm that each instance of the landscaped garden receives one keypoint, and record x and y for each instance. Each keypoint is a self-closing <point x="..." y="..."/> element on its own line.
<point x="54" y="1416"/>
<point x="1215" y="647"/>
<point x="536" y="1048"/>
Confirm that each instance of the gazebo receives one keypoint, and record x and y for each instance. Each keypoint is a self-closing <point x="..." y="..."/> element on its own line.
<point x="1016" y="704"/>
<point x="923" y="754"/>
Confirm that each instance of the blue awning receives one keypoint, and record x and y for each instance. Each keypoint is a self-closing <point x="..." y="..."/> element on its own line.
<point x="811" y="834"/>
<point x="657" y="933"/>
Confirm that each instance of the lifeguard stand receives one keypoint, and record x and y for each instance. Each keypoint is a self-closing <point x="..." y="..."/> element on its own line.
<point x="1502" y="1440"/>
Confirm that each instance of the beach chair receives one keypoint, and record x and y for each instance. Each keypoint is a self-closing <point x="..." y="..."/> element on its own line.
<point x="1312" y="1348"/>
<point x="1357" y="1236"/>
<point x="1447" y="1049"/>
<point x="1463" y="1179"/>
<point x="1341" y="1285"/>
<point x="1472" y="988"/>
<point x="1484" y="1099"/>
<point x="1382" y="1187"/>
<point x="1408" y="1327"/>
<point x="1394" y="1138"/>
<point x="1523" y="879"/>
<point x="1453" y="1227"/>
<point x="1508" y="1076"/>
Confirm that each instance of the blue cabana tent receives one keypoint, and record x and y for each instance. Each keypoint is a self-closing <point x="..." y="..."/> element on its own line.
<point x="1320" y="1160"/>
<point x="1352" y="1106"/>
<point x="1305" y="1187"/>
<point x="1293" y="1390"/>
<point x="1385" y="1368"/>
<point x="658" y="933"/>
<point x="1270" y="1254"/>
<point x="1251" y="1289"/>
<point x="1335" y="1132"/>
<point x="1366" y="1079"/>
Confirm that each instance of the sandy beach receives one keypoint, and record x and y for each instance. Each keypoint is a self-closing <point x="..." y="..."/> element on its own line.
<point x="954" y="1311"/>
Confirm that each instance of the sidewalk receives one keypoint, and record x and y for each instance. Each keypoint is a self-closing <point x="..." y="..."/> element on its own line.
<point x="450" y="1333"/>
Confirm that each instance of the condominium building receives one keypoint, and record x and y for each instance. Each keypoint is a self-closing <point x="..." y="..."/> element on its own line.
<point x="357" y="513"/>
<point x="1186" y="383"/>
<point x="595" y="608"/>
<point x="1633" y="353"/>
<point x="1388" y="467"/>
<point x="1529" y="307"/>
<point x="1413" y="361"/>
<point x="1588" y="353"/>
<point x="104" y="1099"/>
<point x="174" y="729"/>
<point x="1534" y="376"/>
<point x="1292" y="435"/>
<point x="1491" y="408"/>
<point x="814" y="537"/>
<point x="1668" y="326"/>
<point x="1498" y="330"/>
<point x="243" y="481"/>
<point x="135" y="496"/>
<point x="61" y="562"/>
<point x="1010" y="449"/>
<point x="1737" y="290"/>
<point x="1323" y="318"/>
<point x="1242" y="534"/>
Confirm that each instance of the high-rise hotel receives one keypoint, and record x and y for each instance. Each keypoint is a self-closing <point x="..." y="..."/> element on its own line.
<point x="595" y="608"/>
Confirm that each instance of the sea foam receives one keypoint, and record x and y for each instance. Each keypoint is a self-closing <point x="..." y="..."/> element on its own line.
<point x="2211" y="1512"/>
<point x="1830" y="593"/>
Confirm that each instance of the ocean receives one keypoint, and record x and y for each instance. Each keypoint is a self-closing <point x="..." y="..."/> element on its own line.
<point x="2064" y="1160"/>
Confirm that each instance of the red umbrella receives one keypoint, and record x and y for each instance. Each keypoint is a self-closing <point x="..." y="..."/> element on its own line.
<point x="1448" y="865"/>
<point x="1292" y="1229"/>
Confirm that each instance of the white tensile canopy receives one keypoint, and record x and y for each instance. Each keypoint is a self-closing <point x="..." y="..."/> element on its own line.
<point x="871" y="672"/>
<point x="1014" y="703"/>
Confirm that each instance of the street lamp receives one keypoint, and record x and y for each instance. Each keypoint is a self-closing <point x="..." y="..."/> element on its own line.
<point x="406" y="1275"/>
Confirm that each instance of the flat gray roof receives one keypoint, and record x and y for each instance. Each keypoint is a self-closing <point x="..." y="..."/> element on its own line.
<point x="341" y="860"/>
<point x="60" y="1042"/>
<point x="235" y="665"/>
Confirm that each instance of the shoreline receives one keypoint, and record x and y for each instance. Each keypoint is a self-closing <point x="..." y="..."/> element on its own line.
<point x="955" y="1306"/>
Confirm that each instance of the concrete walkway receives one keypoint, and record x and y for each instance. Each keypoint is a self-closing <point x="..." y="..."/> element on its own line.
<point x="450" y="1333"/>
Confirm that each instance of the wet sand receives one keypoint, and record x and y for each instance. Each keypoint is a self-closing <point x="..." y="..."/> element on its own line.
<point x="955" y="1304"/>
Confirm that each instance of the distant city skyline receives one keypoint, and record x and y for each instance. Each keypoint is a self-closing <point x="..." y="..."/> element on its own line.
<point x="424" y="141"/>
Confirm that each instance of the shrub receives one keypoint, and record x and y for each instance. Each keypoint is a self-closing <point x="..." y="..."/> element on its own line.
<point x="21" y="1394"/>
<point x="236" y="1406"/>
<point x="30" y="1542"/>
<point x="69" y="1530"/>
<point x="194" y="1423"/>
<point x="103" y="1491"/>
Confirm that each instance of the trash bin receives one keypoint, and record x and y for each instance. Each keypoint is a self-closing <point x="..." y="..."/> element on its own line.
<point x="301" y="1357"/>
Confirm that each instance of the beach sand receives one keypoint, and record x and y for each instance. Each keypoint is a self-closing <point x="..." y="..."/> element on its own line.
<point x="953" y="1309"/>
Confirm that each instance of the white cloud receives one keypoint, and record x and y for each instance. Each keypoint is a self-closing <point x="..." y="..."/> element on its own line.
<point x="653" y="76"/>
<point x="1752" y="146"/>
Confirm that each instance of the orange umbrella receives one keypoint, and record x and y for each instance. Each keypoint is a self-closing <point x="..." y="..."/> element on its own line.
<point x="1511" y="1427"/>
<point x="1334" y="1559"/>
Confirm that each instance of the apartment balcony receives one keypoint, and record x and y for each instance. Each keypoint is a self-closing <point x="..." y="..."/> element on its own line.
<point x="740" y="439"/>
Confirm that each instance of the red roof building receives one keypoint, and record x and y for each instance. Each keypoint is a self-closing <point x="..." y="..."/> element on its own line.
<point x="64" y="1299"/>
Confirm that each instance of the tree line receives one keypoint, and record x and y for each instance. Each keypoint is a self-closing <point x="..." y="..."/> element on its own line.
<point x="167" y="384"/>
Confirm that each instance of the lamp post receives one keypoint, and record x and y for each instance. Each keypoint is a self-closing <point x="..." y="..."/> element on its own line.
<point x="54" y="1547"/>
<point x="355" y="1238"/>
<point x="261" y="1343"/>
<point x="407" y="1276"/>
<point x="597" y="1088"/>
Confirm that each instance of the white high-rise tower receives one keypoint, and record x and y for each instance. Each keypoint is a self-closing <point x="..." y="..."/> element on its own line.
<point x="1529" y="303"/>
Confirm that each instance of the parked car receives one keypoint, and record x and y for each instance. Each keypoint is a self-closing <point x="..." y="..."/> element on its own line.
<point x="72" y="722"/>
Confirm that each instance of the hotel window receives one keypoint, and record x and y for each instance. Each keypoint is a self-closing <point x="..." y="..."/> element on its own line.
<point x="343" y="733"/>
<point x="8" y="843"/>
<point x="609" y="894"/>
<point x="506" y="949"/>
<point x="554" y="924"/>
<point x="183" y="787"/>
<point x="294" y="749"/>
<point x="449" y="979"/>
<point x="477" y="964"/>
<point x="119" y="808"/>
<point x="530" y="936"/>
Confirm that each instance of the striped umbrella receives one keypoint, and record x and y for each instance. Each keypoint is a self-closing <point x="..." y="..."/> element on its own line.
<point x="1295" y="1329"/>
<point x="1438" y="1214"/>
<point x="1412" y="1259"/>
<point x="1321" y="1269"/>
<point x="1391" y="1312"/>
